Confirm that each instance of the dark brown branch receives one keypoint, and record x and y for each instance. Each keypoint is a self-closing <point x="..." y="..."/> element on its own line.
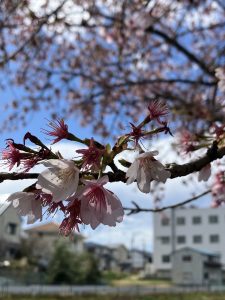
<point x="137" y="209"/>
<point x="176" y="170"/>
<point x="182" y="49"/>
<point x="17" y="176"/>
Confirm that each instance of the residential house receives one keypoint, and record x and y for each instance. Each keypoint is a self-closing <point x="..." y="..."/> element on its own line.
<point x="43" y="239"/>
<point x="102" y="254"/>
<point x="139" y="259"/>
<point x="10" y="230"/>
<point x="117" y="258"/>
<point x="196" y="267"/>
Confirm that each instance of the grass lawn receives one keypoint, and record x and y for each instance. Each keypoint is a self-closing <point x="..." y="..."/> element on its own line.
<point x="195" y="296"/>
<point x="134" y="280"/>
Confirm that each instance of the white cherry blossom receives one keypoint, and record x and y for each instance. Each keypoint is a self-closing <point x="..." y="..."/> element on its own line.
<point x="145" y="169"/>
<point x="60" y="179"/>
<point x="27" y="204"/>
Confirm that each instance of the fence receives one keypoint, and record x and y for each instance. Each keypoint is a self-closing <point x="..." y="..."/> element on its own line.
<point x="7" y="289"/>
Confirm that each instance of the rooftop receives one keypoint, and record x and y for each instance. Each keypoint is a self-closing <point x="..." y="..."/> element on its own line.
<point x="51" y="227"/>
<point x="203" y="252"/>
<point x="3" y="203"/>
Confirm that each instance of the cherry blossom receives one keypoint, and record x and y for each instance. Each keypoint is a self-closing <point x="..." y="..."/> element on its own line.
<point x="60" y="179"/>
<point x="157" y="109"/>
<point x="218" y="188"/>
<point x="136" y="134"/>
<point x="72" y="220"/>
<point x="11" y="155"/>
<point x="220" y="74"/>
<point x="91" y="157"/>
<point x="145" y="169"/>
<point x="27" y="204"/>
<point x="99" y="205"/>
<point x="58" y="129"/>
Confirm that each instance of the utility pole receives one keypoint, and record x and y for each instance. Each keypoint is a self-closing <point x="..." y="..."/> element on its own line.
<point x="173" y="230"/>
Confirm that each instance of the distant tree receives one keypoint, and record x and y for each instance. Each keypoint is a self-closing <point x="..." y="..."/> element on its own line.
<point x="150" y="62"/>
<point x="62" y="269"/>
<point x="103" y="61"/>
<point x="68" y="268"/>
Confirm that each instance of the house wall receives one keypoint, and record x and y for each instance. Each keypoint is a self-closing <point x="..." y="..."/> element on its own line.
<point x="196" y="271"/>
<point x="9" y="237"/>
<point x="137" y="260"/>
<point x="43" y="244"/>
<point x="187" y="273"/>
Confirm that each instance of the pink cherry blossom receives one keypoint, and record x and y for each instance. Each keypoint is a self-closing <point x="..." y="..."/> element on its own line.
<point x="72" y="220"/>
<point x="91" y="157"/>
<point x="11" y="155"/>
<point x="145" y="169"/>
<point x="58" y="129"/>
<point x="158" y="109"/>
<point x="99" y="205"/>
<point x="187" y="141"/>
<point x="218" y="189"/>
<point x="136" y="134"/>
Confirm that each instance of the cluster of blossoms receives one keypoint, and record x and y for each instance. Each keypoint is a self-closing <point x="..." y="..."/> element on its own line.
<point x="218" y="189"/>
<point x="77" y="187"/>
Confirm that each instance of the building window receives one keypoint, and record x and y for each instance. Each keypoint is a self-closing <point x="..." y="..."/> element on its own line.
<point x="165" y="258"/>
<point x="196" y="220"/>
<point x="214" y="238"/>
<point x="180" y="221"/>
<point x="213" y="219"/>
<point x="165" y="240"/>
<point x="187" y="258"/>
<point x="165" y="221"/>
<point x="12" y="228"/>
<point x="197" y="239"/>
<point x="181" y="239"/>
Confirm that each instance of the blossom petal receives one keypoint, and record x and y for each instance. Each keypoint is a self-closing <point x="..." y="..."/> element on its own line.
<point x="26" y="205"/>
<point x="204" y="173"/>
<point x="132" y="172"/>
<point x="60" y="180"/>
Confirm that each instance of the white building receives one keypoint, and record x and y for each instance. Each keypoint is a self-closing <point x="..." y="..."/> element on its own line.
<point x="198" y="228"/>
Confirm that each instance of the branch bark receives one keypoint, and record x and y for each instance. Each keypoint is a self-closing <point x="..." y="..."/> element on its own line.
<point x="213" y="153"/>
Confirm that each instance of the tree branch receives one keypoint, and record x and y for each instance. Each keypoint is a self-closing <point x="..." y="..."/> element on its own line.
<point x="181" y="48"/>
<point x="17" y="176"/>
<point x="137" y="209"/>
<point x="213" y="153"/>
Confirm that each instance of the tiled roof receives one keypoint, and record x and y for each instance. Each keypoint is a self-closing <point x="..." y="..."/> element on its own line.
<point x="47" y="227"/>
<point x="50" y="227"/>
<point x="3" y="203"/>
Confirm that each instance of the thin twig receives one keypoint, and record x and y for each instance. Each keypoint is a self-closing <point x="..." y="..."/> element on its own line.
<point x="138" y="209"/>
